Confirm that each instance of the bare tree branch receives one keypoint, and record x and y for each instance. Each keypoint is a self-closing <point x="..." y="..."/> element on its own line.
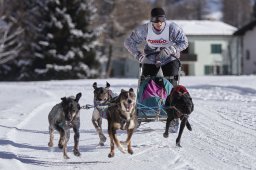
<point x="9" y="43"/>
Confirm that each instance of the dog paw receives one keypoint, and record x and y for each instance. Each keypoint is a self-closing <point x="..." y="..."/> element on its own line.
<point x="76" y="152"/>
<point x="178" y="144"/>
<point x="111" y="155"/>
<point x="130" y="151"/>
<point x="60" y="146"/>
<point x="101" y="143"/>
<point x="103" y="139"/>
<point x="189" y="127"/>
<point x="66" y="157"/>
<point x="50" y="144"/>
<point x="166" y="135"/>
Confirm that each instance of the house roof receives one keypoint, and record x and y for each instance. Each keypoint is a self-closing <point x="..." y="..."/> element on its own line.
<point x="205" y="27"/>
<point x="244" y="29"/>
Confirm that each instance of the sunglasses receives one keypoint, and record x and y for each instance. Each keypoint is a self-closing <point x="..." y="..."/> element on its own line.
<point x="158" y="19"/>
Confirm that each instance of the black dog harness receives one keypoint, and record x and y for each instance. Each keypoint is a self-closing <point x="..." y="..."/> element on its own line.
<point x="102" y="106"/>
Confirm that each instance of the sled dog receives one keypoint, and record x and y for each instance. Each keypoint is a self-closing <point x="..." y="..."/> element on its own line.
<point x="62" y="117"/>
<point x="121" y="115"/>
<point x="178" y="105"/>
<point x="102" y="96"/>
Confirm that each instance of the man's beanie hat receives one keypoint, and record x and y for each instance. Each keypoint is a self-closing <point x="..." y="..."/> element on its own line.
<point x="155" y="12"/>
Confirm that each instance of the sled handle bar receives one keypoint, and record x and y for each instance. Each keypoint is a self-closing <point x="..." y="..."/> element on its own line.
<point x="157" y="53"/>
<point x="179" y="68"/>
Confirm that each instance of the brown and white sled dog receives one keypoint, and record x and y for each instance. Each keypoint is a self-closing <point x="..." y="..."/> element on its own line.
<point x="121" y="115"/>
<point x="102" y="95"/>
<point x="178" y="104"/>
<point x="62" y="117"/>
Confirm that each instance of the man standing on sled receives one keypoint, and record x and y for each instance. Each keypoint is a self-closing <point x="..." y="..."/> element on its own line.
<point x="163" y="43"/>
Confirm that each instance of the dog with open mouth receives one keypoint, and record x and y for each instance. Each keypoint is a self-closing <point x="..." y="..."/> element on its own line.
<point x="62" y="117"/>
<point x="121" y="114"/>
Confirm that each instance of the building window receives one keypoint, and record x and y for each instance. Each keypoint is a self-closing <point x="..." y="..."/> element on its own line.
<point x="208" y="70"/>
<point x="225" y="69"/>
<point x="247" y="55"/>
<point x="216" y="49"/>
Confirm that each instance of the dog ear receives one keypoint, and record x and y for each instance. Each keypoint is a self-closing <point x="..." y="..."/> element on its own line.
<point x="64" y="99"/>
<point x="131" y="90"/>
<point x="107" y="85"/>
<point x="122" y="91"/>
<point x="78" y="96"/>
<point x="180" y="93"/>
<point x="94" y="85"/>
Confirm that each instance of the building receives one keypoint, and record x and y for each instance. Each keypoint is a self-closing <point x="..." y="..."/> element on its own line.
<point x="211" y="51"/>
<point x="247" y="38"/>
<point x="210" y="48"/>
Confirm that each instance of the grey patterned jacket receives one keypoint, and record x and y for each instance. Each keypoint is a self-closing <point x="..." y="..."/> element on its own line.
<point x="139" y="35"/>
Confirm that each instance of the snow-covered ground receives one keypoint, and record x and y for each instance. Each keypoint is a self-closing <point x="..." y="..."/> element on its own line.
<point x="223" y="122"/>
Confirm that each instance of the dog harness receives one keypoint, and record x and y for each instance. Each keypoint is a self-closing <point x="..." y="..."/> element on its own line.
<point x="102" y="106"/>
<point x="182" y="90"/>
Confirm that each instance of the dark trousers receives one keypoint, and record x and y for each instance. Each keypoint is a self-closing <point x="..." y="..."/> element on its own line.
<point x="169" y="69"/>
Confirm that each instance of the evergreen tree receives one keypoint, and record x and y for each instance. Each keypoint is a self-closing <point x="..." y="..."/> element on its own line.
<point x="66" y="49"/>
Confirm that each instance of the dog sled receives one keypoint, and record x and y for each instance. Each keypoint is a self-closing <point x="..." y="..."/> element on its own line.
<point x="151" y="96"/>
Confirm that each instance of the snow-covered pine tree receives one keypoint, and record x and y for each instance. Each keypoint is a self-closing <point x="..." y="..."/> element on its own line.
<point x="32" y="24"/>
<point x="66" y="50"/>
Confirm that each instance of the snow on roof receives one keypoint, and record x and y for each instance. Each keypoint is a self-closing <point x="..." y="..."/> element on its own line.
<point x="205" y="27"/>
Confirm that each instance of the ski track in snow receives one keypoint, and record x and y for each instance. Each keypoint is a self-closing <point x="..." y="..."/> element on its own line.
<point x="223" y="136"/>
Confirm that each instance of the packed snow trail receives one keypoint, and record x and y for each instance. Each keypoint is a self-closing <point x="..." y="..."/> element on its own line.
<point x="223" y="122"/>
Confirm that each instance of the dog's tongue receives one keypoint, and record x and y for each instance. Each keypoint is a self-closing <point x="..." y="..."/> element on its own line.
<point x="128" y="107"/>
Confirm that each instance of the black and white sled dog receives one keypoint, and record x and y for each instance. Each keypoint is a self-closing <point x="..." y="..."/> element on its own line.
<point x="102" y="96"/>
<point x="62" y="117"/>
<point x="178" y="104"/>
